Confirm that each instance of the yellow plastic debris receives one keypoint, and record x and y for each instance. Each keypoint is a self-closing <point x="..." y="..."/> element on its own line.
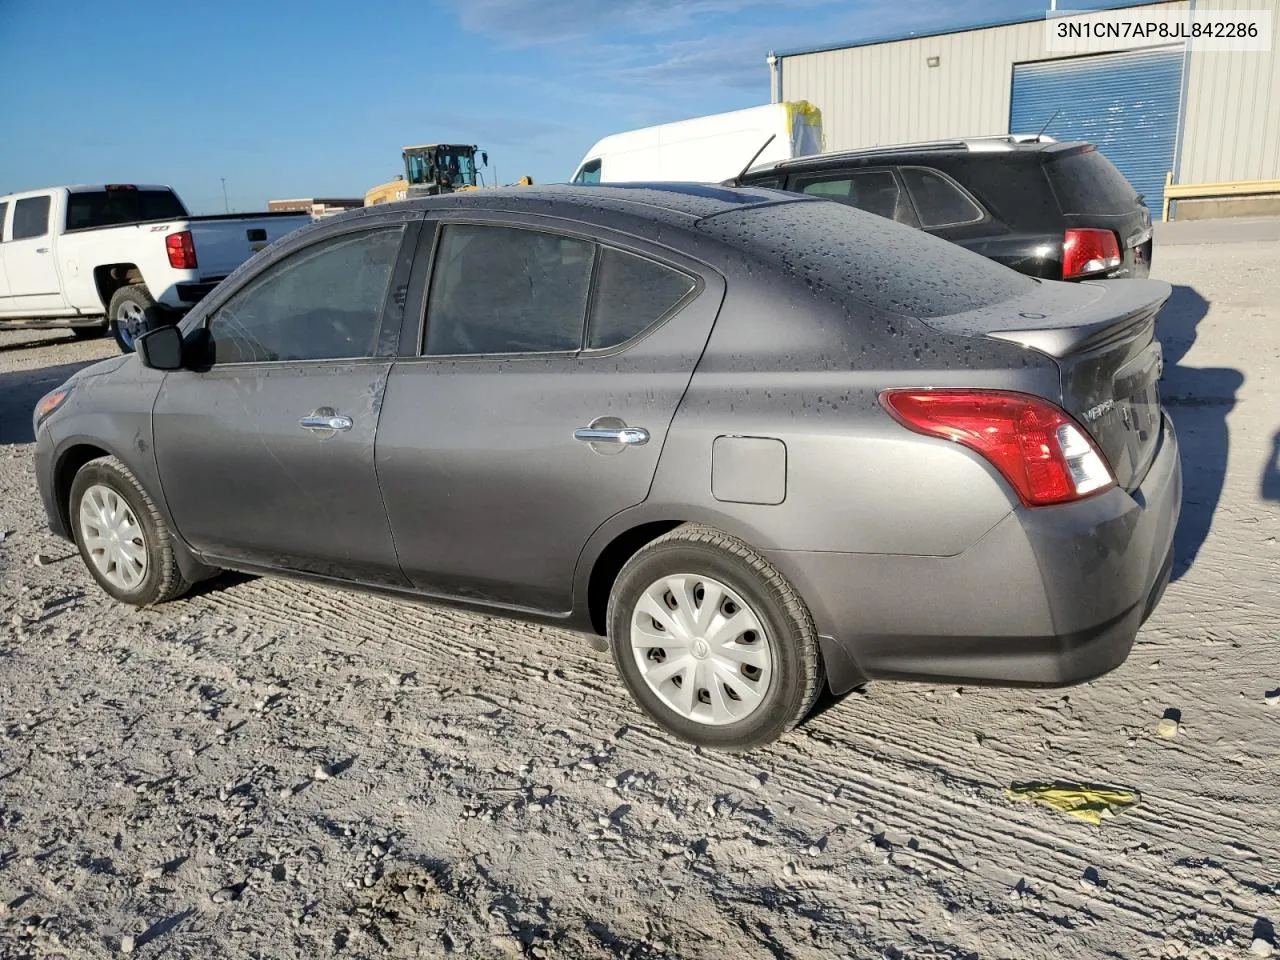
<point x="1082" y="800"/>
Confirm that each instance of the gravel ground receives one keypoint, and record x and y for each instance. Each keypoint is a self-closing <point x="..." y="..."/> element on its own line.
<point x="268" y="769"/>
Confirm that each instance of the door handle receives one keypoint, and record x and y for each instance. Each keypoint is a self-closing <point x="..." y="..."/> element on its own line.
<point x="334" y="422"/>
<point x="42" y="249"/>
<point x="627" y="436"/>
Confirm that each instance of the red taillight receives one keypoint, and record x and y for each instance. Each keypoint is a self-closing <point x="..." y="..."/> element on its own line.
<point x="181" y="250"/>
<point x="1044" y="454"/>
<point x="1086" y="251"/>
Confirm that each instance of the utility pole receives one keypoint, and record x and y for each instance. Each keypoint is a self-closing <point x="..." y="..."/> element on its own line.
<point x="225" y="205"/>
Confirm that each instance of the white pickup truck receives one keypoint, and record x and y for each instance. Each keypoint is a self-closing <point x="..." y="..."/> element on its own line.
<point x="120" y="257"/>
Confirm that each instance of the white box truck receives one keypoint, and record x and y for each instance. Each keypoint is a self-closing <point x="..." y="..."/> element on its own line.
<point x="708" y="149"/>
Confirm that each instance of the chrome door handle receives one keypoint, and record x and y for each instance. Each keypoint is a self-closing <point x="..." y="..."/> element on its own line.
<point x="325" y="423"/>
<point x="627" y="436"/>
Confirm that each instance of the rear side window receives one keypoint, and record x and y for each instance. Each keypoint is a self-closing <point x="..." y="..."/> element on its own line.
<point x="939" y="202"/>
<point x="104" y="208"/>
<point x="507" y="290"/>
<point x="631" y="295"/>
<point x="1088" y="182"/>
<point x="30" y="217"/>
<point x="590" y="172"/>
<point x="321" y="303"/>
<point x="4" y="208"/>
<point x="875" y="191"/>
<point x="888" y="267"/>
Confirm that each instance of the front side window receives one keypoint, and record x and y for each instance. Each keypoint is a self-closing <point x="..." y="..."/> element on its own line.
<point x="590" y="172"/>
<point x="939" y="201"/>
<point x="632" y="293"/>
<point x="321" y="303"/>
<point x="507" y="290"/>
<point x="875" y="191"/>
<point x="30" y="218"/>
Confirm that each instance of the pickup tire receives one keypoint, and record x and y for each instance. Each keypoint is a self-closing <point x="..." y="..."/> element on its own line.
<point x="131" y="313"/>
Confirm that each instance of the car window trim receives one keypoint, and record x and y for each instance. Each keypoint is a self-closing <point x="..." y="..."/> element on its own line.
<point x="388" y="300"/>
<point x="983" y="213"/>
<point x="561" y="228"/>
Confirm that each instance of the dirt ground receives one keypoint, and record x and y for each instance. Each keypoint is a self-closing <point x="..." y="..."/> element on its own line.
<point x="267" y="769"/>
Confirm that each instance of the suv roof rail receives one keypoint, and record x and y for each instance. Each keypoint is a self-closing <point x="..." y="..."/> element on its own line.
<point x="1003" y="141"/>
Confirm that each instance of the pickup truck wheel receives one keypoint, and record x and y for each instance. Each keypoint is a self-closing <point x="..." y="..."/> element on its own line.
<point x="131" y="313"/>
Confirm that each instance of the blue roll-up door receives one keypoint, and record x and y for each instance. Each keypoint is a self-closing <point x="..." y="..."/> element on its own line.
<point x="1126" y="103"/>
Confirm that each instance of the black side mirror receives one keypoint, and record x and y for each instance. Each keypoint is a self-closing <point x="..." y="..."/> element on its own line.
<point x="161" y="348"/>
<point x="484" y="159"/>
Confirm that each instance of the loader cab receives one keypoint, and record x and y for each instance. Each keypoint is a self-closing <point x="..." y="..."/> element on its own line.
<point x="440" y="168"/>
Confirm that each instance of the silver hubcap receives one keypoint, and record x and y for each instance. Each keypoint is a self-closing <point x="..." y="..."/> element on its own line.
<point x="129" y="318"/>
<point x="701" y="649"/>
<point x="113" y="537"/>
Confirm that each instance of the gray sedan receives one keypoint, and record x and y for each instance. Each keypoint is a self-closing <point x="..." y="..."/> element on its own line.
<point x="762" y="443"/>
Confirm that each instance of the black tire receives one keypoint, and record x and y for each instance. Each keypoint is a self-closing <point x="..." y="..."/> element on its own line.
<point x="88" y="333"/>
<point x="136" y="301"/>
<point x="797" y="668"/>
<point x="163" y="580"/>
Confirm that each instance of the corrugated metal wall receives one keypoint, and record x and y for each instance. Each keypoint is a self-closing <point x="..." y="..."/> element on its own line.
<point x="886" y="93"/>
<point x="1232" y="115"/>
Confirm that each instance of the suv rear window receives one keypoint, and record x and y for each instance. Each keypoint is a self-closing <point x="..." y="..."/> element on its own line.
<point x="105" y="208"/>
<point x="1087" y="182"/>
<point x="885" y="265"/>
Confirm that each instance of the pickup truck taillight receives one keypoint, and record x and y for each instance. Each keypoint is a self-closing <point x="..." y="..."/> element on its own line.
<point x="1087" y="250"/>
<point x="181" y="250"/>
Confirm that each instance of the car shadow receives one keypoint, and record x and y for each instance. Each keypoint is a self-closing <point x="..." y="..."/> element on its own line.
<point x="1270" y="486"/>
<point x="21" y="390"/>
<point x="1198" y="400"/>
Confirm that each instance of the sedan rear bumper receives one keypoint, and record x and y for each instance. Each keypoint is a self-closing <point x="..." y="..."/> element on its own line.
<point x="1049" y="597"/>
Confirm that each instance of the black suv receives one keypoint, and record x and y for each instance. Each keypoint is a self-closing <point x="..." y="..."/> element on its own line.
<point x="1048" y="209"/>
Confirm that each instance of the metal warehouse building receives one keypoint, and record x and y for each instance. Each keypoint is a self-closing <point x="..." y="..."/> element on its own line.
<point x="1206" y="121"/>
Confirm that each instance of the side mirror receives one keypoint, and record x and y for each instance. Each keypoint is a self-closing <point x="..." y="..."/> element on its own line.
<point x="161" y="348"/>
<point x="484" y="159"/>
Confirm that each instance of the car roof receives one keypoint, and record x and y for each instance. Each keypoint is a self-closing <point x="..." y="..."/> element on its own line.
<point x="680" y="204"/>
<point x="1011" y="145"/>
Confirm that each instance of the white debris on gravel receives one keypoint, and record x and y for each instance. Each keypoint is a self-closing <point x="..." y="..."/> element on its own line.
<point x="185" y="734"/>
<point x="1261" y="947"/>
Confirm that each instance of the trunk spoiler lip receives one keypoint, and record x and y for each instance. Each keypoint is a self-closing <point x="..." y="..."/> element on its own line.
<point x="1123" y="306"/>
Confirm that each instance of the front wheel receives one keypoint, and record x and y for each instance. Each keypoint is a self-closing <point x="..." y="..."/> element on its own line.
<point x="712" y="641"/>
<point x="122" y="538"/>
<point x="131" y="313"/>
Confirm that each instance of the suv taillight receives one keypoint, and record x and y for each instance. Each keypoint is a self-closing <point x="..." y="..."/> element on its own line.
<point x="1044" y="454"/>
<point x="1086" y="250"/>
<point x="181" y="250"/>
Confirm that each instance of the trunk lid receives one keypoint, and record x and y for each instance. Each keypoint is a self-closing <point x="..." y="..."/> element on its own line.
<point x="1101" y="334"/>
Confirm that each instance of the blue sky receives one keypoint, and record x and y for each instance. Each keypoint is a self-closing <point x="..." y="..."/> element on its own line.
<point x="287" y="98"/>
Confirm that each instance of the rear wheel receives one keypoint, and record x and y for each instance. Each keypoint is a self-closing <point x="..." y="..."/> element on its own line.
<point x="131" y="313"/>
<point x="122" y="538"/>
<point x="712" y="641"/>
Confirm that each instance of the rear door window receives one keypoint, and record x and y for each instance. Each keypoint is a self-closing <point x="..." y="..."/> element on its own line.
<point x="30" y="217"/>
<point x="104" y="208"/>
<point x="875" y="191"/>
<point x="1087" y="182"/>
<point x="497" y="290"/>
<point x="939" y="201"/>
<point x="632" y="294"/>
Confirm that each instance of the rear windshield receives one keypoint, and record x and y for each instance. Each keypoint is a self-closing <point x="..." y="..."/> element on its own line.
<point x="1090" y="183"/>
<point x="105" y="208"/>
<point x="885" y="265"/>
